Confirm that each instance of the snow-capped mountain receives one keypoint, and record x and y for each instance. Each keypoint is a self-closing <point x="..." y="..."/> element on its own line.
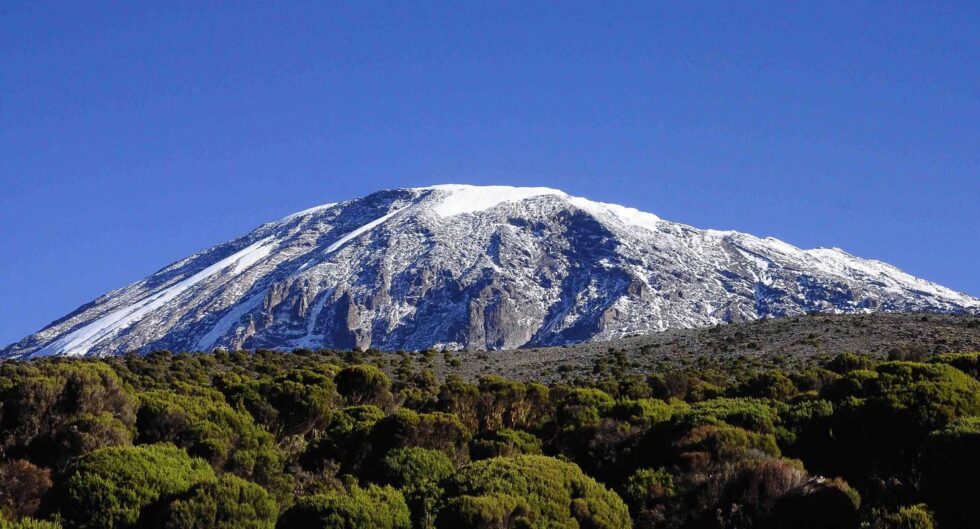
<point x="474" y="267"/>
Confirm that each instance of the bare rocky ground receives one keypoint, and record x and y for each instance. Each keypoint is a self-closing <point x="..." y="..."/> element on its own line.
<point x="790" y="342"/>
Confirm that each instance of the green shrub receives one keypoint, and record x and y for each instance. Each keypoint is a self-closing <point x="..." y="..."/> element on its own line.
<point x="44" y="402"/>
<point x="887" y="418"/>
<point x="949" y="456"/>
<point x="643" y="412"/>
<point x="581" y="407"/>
<point x="722" y="442"/>
<point x="110" y="487"/>
<point x="372" y="507"/>
<point x="503" y="443"/>
<point x="769" y="385"/>
<point x="846" y="362"/>
<point x="909" y="517"/>
<point x="818" y="504"/>
<point x="490" y="511"/>
<point x="29" y="523"/>
<point x="364" y="384"/>
<point x="968" y="363"/>
<point x="227" y="503"/>
<point x="346" y="439"/>
<point x="210" y="429"/>
<point x="292" y="403"/>
<point x="530" y="491"/>
<point x="416" y="472"/>
<point x="647" y="488"/>
<point x="407" y="468"/>
<point x="752" y="414"/>
<point x="437" y="430"/>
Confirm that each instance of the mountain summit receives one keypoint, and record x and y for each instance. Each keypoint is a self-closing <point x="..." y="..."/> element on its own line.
<point x="474" y="267"/>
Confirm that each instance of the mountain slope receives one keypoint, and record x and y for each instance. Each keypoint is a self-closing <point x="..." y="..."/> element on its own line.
<point x="477" y="267"/>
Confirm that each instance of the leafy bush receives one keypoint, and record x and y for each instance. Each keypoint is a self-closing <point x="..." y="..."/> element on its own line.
<point x="502" y="443"/>
<point x="909" y="517"/>
<point x="643" y="411"/>
<point x="29" y="523"/>
<point x="437" y="430"/>
<point x="227" y="503"/>
<point x="885" y="417"/>
<point x="968" y="363"/>
<point x="649" y="489"/>
<point x="752" y="414"/>
<point x="372" y="507"/>
<point x="748" y="497"/>
<point x="346" y="439"/>
<point x="415" y="467"/>
<point x="948" y="456"/>
<point x="818" y="504"/>
<point x="110" y="487"/>
<point x="364" y="384"/>
<point x="41" y="402"/>
<point x="210" y="429"/>
<point x="416" y="472"/>
<point x="847" y="362"/>
<point x="721" y="442"/>
<point x="581" y="407"/>
<point x="769" y="385"/>
<point x="530" y="491"/>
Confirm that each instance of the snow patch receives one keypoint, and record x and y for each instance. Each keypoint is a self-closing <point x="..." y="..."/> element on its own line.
<point x="350" y="236"/>
<point x="232" y="317"/>
<point x="363" y="229"/>
<point x="628" y="216"/>
<point x="78" y="342"/>
<point x="254" y="254"/>
<point x="461" y="199"/>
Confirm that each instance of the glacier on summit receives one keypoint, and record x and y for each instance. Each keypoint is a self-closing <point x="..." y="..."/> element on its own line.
<point x="479" y="267"/>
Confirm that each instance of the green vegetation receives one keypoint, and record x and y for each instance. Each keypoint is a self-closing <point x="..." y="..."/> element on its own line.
<point x="111" y="487"/>
<point x="529" y="491"/>
<point x="364" y="440"/>
<point x="375" y="507"/>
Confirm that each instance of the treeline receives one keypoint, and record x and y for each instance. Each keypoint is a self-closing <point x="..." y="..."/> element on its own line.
<point x="376" y="441"/>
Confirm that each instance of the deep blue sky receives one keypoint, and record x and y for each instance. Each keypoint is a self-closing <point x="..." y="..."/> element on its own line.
<point x="133" y="135"/>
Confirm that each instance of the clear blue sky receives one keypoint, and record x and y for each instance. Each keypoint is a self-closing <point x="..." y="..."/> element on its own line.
<point x="133" y="134"/>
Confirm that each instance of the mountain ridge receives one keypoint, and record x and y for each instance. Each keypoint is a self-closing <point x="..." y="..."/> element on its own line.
<point x="484" y="267"/>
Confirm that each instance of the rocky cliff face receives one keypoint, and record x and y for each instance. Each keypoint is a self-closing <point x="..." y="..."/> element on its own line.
<point x="474" y="267"/>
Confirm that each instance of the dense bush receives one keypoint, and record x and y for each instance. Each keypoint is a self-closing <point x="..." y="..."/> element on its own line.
<point x="359" y="440"/>
<point x="29" y="523"/>
<point x="207" y="427"/>
<point x="505" y="442"/>
<point x="364" y="384"/>
<point x="345" y="441"/>
<point x="372" y="507"/>
<point x="908" y="517"/>
<point x="529" y="491"/>
<point x="110" y="487"/>
<point x="226" y="503"/>
<point x="417" y="472"/>
<point x="950" y="456"/>
<point x="436" y="430"/>
<point x="818" y="504"/>
<point x="55" y="411"/>
<point x="882" y="417"/>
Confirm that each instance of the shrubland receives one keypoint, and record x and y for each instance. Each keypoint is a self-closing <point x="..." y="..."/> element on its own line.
<point x="365" y="440"/>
